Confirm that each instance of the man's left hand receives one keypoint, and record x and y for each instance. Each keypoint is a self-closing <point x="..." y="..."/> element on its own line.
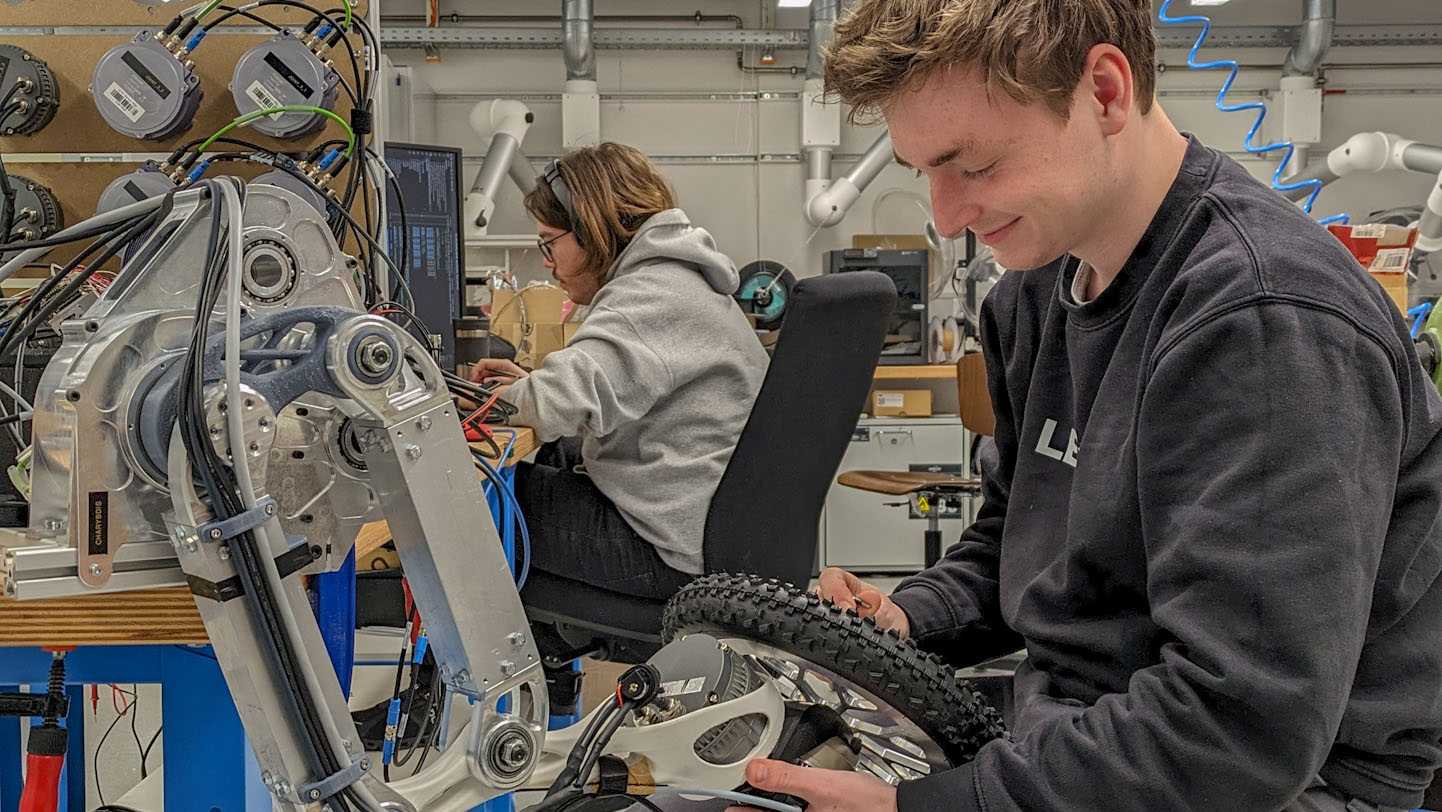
<point x="823" y="790"/>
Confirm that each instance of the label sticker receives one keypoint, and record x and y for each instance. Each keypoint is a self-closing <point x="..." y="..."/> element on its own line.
<point x="890" y="400"/>
<point x="1371" y="231"/>
<point x="279" y="66"/>
<point x="145" y="74"/>
<point x="1391" y="259"/>
<point x="129" y="106"/>
<point x="682" y="687"/>
<point x="97" y="523"/>
<point x="263" y="97"/>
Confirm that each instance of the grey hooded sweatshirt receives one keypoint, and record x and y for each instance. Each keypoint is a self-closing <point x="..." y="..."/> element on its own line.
<point x="658" y="382"/>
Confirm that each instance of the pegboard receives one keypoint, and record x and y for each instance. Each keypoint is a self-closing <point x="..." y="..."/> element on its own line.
<point x="78" y="127"/>
<point x="137" y="12"/>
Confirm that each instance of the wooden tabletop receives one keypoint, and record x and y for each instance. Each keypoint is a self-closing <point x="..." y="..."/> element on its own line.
<point x="901" y="483"/>
<point x="153" y="616"/>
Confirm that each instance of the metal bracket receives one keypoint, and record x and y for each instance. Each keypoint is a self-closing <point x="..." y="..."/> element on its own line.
<point x="239" y="523"/>
<point x="326" y="787"/>
<point x="299" y="556"/>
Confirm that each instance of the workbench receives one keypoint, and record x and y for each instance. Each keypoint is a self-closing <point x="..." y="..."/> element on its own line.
<point x="156" y="636"/>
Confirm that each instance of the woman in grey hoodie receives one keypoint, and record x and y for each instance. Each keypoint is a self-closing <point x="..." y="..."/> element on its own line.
<point x="657" y="382"/>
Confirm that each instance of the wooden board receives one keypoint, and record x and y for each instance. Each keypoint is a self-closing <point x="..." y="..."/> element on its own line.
<point x="920" y="372"/>
<point x="78" y="127"/>
<point x="140" y="12"/>
<point x="151" y="617"/>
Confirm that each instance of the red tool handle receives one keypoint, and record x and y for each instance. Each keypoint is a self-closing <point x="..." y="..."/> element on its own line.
<point x="43" y="762"/>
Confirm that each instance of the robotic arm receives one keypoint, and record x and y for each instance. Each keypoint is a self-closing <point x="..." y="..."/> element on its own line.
<point x="1382" y="152"/>
<point x="506" y="122"/>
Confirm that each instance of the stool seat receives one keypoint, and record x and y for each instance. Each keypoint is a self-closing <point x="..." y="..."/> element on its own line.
<point x="904" y="483"/>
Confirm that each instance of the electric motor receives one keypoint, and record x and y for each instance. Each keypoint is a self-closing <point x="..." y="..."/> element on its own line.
<point x="146" y="182"/>
<point x="281" y="72"/>
<point x="28" y="83"/>
<point x="301" y="189"/>
<point x="36" y="213"/>
<point x="144" y="90"/>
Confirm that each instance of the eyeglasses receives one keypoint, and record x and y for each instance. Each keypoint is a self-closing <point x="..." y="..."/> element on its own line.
<point x="545" y="245"/>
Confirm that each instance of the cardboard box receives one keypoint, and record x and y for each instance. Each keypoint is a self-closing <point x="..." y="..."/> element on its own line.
<point x="1385" y="251"/>
<point x="901" y="403"/>
<point x="534" y="322"/>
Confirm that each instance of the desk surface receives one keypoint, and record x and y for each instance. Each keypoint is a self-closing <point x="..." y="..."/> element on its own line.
<point x="148" y="617"/>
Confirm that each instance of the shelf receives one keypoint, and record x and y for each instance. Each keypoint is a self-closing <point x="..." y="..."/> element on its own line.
<point x="917" y="372"/>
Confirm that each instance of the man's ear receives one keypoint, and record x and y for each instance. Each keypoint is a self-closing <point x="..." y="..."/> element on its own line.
<point x="1107" y="88"/>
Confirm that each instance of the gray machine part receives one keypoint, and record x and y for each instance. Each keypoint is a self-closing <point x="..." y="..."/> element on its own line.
<point x="37" y="213"/>
<point x="144" y="91"/>
<point x="90" y="397"/>
<point x="39" y="97"/>
<point x="292" y="184"/>
<point x="283" y="71"/>
<point x="697" y="673"/>
<point x="146" y="182"/>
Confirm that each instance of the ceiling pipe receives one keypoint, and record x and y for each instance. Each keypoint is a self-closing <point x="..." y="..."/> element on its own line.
<point x="578" y="24"/>
<point x="1319" y="22"/>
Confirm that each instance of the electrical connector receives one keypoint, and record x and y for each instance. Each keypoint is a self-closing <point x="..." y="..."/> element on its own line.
<point x="194" y="40"/>
<point x="198" y="171"/>
<point x="330" y="158"/>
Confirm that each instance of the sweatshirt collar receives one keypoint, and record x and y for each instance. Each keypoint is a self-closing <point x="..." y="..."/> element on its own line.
<point x="1192" y="180"/>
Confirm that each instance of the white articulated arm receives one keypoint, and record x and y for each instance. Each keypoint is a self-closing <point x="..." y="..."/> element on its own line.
<point x="505" y="122"/>
<point x="828" y="207"/>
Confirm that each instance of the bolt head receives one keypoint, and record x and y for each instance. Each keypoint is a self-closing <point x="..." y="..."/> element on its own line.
<point x="413" y="452"/>
<point x="516" y="639"/>
<point x="95" y="570"/>
<point x="508" y="668"/>
<point x="270" y="510"/>
<point x="215" y="533"/>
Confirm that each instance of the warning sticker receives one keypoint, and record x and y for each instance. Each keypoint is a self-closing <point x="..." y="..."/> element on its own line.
<point x="127" y="103"/>
<point x="890" y="400"/>
<point x="263" y="97"/>
<point x="683" y="687"/>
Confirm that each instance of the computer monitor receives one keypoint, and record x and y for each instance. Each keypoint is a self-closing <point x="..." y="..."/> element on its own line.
<point x="429" y="178"/>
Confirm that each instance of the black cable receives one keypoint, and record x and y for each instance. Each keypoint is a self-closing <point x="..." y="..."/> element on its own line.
<point x="6" y="190"/>
<point x="134" y="715"/>
<point x="99" y="791"/>
<point x="145" y="754"/>
<point x="53" y="241"/>
<point x="400" y="209"/>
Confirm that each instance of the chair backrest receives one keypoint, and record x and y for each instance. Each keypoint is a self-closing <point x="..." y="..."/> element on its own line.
<point x="764" y="516"/>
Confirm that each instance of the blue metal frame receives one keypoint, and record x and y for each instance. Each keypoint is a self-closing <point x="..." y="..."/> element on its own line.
<point x="195" y="718"/>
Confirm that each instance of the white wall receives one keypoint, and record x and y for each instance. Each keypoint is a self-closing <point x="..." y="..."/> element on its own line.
<point x="709" y="149"/>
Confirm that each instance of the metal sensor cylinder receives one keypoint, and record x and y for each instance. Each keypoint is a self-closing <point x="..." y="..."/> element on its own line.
<point x="283" y="72"/>
<point x="144" y="91"/>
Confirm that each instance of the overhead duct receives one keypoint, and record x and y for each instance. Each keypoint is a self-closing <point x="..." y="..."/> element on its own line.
<point x="820" y="121"/>
<point x="581" y="98"/>
<point x="1319" y="22"/>
<point x="506" y="122"/>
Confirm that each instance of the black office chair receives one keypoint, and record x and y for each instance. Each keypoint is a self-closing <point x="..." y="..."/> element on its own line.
<point x="764" y="516"/>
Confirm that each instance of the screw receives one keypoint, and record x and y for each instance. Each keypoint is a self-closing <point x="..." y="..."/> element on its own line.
<point x="95" y="570"/>
<point x="191" y="547"/>
<point x="215" y="431"/>
<point x="215" y="533"/>
<point x="254" y="447"/>
<point x="413" y="451"/>
<point x="507" y="668"/>
<point x="52" y="524"/>
<point x="315" y="795"/>
<point x="224" y="552"/>
<point x="270" y="510"/>
<point x="265" y="778"/>
<point x="424" y="424"/>
<point x="516" y="639"/>
<point x="73" y="395"/>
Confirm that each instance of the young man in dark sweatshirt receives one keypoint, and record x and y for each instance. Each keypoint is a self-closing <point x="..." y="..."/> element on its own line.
<point x="1214" y="525"/>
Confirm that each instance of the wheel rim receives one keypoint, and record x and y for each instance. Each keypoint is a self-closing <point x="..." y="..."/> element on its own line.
<point x="893" y="748"/>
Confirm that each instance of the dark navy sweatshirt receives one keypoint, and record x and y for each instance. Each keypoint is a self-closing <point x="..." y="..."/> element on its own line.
<point x="1214" y="526"/>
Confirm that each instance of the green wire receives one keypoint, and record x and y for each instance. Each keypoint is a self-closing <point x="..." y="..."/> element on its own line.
<point x="209" y="7"/>
<point x="288" y="108"/>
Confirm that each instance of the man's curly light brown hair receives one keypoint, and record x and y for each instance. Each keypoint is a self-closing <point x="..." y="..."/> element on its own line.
<point x="1031" y="50"/>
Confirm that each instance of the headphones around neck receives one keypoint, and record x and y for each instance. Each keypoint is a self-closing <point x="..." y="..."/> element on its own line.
<point x="551" y="176"/>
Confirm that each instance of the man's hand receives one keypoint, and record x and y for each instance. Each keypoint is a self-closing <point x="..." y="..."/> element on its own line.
<point x="823" y="790"/>
<point x="849" y="592"/>
<point x="496" y="372"/>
